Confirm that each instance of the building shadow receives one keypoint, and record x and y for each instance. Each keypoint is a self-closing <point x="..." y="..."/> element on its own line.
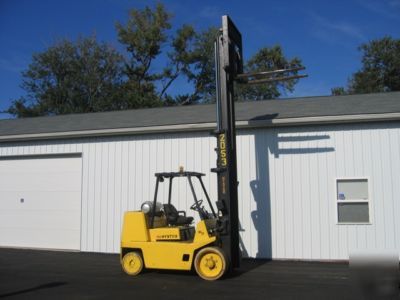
<point x="242" y="246"/>
<point x="268" y="142"/>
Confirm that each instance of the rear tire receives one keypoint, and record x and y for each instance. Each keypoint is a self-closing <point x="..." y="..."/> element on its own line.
<point x="132" y="263"/>
<point x="210" y="263"/>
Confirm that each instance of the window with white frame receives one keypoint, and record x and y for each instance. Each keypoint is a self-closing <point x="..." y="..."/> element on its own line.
<point x="352" y="200"/>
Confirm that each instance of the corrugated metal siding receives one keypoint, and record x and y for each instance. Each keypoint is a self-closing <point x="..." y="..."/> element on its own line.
<point x="286" y="191"/>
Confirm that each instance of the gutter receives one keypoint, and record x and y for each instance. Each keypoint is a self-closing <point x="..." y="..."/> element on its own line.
<point x="284" y="122"/>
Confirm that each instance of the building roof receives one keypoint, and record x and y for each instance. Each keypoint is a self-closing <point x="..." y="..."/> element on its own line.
<point x="327" y="109"/>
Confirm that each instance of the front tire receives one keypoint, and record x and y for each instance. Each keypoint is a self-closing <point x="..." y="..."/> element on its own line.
<point x="210" y="263"/>
<point x="132" y="263"/>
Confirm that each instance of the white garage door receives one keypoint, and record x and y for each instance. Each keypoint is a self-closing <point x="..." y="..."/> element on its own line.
<point x="40" y="202"/>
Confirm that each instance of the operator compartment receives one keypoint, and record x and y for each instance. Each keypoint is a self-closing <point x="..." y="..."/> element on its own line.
<point x="165" y="223"/>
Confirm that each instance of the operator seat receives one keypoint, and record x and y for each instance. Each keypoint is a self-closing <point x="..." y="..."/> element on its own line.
<point x="174" y="217"/>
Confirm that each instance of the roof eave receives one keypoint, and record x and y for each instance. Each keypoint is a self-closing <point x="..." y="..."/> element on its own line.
<point x="283" y="122"/>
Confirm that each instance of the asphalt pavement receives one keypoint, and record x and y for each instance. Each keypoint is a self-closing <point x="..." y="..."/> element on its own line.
<point x="34" y="274"/>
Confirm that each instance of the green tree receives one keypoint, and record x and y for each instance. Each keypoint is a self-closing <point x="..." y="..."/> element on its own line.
<point x="181" y="57"/>
<point x="187" y="53"/>
<point x="85" y="76"/>
<point x="338" y="91"/>
<point x="191" y="54"/>
<point x="380" y="71"/>
<point x="143" y="36"/>
<point x="197" y="60"/>
<point x="201" y="72"/>
<point x="203" y="75"/>
<point x="71" y="78"/>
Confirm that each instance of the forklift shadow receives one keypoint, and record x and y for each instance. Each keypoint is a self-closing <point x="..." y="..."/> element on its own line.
<point x="246" y="265"/>
<point x="273" y="144"/>
<point x="182" y="273"/>
<point x="34" y="289"/>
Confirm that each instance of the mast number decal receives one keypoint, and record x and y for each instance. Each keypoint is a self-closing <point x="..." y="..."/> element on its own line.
<point x="222" y="150"/>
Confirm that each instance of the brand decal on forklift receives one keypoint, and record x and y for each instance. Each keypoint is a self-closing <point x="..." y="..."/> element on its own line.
<point x="167" y="237"/>
<point x="222" y="150"/>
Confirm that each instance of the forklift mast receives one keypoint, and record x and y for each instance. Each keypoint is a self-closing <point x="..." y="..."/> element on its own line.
<point x="228" y="64"/>
<point x="228" y="69"/>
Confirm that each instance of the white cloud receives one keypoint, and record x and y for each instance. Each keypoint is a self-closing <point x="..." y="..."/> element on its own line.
<point x="331" y="31"/>
<point x="385" y="8"/>
<point x="394" y="3"/>
<point x="12" y="64"/>
<point x="209" y="12"/>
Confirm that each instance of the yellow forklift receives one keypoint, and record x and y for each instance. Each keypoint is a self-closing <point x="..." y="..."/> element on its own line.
<point x="161" y="237"/>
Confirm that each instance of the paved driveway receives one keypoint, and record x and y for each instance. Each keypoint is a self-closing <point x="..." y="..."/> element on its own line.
<point x="31" y="274"/>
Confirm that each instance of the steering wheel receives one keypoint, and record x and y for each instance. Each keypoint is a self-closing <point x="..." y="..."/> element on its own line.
<point x="194" y="205"/>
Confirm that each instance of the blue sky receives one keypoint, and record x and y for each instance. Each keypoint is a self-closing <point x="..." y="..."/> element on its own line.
<point x="324" y="34"/>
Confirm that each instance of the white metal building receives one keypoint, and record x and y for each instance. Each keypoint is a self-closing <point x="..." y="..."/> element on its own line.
<point x="319" y="177"/>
